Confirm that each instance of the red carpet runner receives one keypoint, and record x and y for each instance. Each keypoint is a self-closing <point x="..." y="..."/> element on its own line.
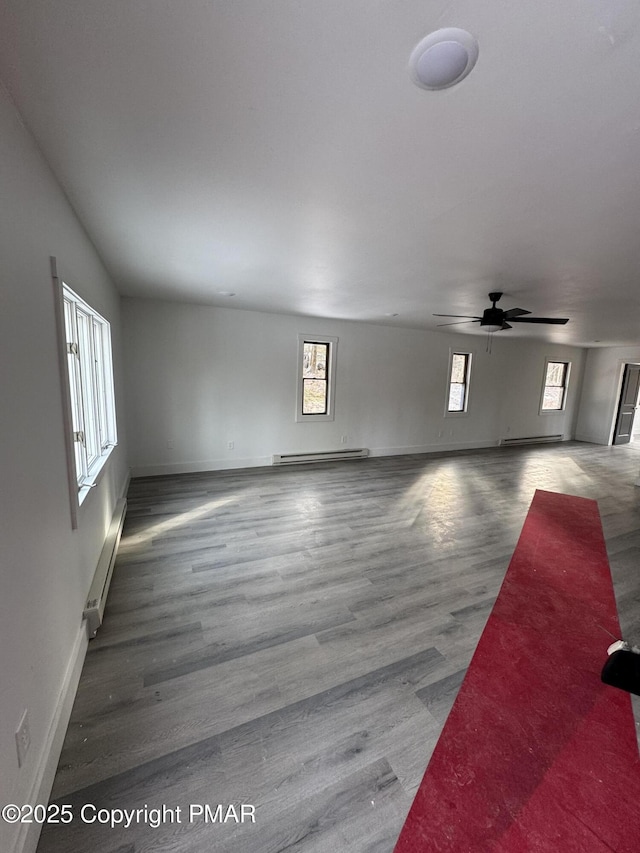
<point x="537" y="754"/>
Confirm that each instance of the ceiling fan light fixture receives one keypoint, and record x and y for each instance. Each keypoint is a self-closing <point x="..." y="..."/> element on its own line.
<point x="443" y="58"/>
<point x="494" y="319"/>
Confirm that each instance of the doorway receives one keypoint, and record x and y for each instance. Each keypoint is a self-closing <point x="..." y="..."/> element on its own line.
<point x="627" y="404"/>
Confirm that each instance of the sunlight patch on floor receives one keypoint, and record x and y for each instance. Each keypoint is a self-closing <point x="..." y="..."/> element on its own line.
<point x="143" y="537"/>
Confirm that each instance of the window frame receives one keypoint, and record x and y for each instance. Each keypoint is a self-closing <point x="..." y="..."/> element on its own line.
<point x="456" y="413"/>
<point x="564" y="386"/>
<point x="332" y="343"/>
<point x="89" y="390"/>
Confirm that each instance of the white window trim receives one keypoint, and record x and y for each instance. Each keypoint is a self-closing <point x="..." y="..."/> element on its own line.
<point x="567" y="379"/>
<point x="458" y="351"/>
<point x="101" y="369"/>
<point x="331" y="373"/>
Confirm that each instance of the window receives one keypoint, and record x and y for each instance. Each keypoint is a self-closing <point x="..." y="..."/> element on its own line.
<point x="459" y="382"/>
<point x="93" y="421"/>
<point x="554" y="392"/>
<point x="315" y="378"/>
<point x="316" y="368"/>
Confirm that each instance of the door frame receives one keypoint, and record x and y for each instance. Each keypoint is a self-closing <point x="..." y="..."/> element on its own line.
<point x="622" y="363"/>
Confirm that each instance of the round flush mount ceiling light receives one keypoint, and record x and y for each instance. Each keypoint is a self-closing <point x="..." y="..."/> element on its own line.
<point x="443" y="58"/>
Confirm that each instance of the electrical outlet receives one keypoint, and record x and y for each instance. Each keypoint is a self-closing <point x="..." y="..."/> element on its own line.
<point x="231" y="445"/>
<point x="170" y="444"/>
<point x="23" y="738"/>
<point x="344" y="439"/>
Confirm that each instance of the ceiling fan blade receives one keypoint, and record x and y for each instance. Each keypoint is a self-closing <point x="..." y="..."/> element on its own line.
<point x="505" y="325"/>
<point x="555" y="320"/>
<point x="457" y="323"/>
<point x="515" y="312"/>
<point x="464" y="316"/>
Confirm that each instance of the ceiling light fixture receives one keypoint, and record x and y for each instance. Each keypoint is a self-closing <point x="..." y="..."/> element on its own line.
<point x="490" y="327"/>
<point x="443" y="58"/>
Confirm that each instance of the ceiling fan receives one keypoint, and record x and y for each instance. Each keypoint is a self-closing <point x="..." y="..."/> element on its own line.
<point x="495" y="319"/>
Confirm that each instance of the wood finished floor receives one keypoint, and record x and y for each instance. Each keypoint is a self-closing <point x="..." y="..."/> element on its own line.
<point x="294" y="638"/>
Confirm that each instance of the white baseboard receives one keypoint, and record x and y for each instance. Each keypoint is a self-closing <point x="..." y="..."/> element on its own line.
<point x="442" y="447"/>
<point x="263" y="461"/>
<point x="29" y="834"/>
<point x="590" y="439"/>
<point x="267" y="461"/>
<point x="125" y="487"/>
<point x="198" y="467"/>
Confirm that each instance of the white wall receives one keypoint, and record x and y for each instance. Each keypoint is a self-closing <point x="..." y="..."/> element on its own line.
<point x="202" y="377"/>
<point x="602" y="384"/>
<point x="45" y="567"/>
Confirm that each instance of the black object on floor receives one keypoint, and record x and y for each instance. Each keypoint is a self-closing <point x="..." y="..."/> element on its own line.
<point x="622" y="670"/>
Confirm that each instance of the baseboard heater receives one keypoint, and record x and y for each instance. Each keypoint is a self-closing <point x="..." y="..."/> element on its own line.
<point x="319" y="456"/>
<point x="531" y="439"/>
<point x="96" y="602"/>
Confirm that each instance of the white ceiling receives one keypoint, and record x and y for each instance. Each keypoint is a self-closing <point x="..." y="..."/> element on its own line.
<point x="278" y="149"/>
